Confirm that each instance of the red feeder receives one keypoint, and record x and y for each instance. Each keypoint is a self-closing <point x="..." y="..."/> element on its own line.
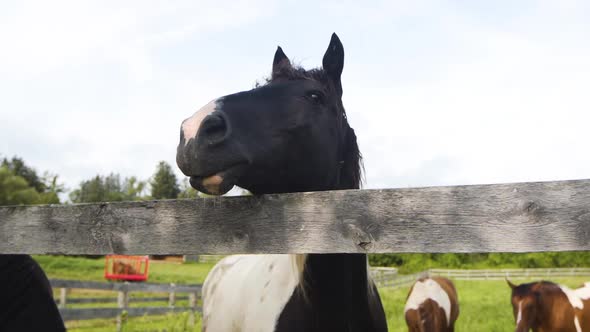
<point x="128" y="268"/>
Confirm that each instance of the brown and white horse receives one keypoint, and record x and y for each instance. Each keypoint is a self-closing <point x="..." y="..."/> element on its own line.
<point x="432" y="306"/>
<point x="545" y="306"/>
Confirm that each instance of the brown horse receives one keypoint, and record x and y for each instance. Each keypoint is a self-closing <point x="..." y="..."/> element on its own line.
<point x="432" y="306"/>
<point x="545" y="306"/>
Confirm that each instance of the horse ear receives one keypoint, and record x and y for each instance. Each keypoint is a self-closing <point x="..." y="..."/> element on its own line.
<point x="333" y="61"/>
<point x="280" y="62"/>
<point x="512" y="286"/>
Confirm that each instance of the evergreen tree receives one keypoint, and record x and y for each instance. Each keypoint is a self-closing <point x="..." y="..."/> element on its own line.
<point x="163" y="182"/>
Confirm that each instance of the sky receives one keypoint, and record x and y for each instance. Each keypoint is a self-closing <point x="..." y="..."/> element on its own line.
<point x="438" y="92"/>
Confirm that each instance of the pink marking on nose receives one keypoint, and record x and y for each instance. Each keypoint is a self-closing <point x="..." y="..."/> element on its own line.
<point x="191" y="126"/>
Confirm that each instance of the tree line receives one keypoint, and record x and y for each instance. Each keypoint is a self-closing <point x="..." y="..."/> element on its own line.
<point x="416" y="262"/>
<point x="21" y="184"/>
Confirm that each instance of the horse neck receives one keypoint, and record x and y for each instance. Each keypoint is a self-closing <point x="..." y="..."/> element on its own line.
<point x="341" y="276"/>
<point x="337" y="280"/>
<point x="334" y="295"/>
<point x="336" y="277"/>
<point x="544" y="318"/>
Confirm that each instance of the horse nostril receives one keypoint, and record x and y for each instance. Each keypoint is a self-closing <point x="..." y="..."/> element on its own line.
<point x="214" y="129"/>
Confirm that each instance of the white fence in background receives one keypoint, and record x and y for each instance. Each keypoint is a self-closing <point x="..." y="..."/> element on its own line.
<point x="500" y="274"/>
<point x="400" y="280"/>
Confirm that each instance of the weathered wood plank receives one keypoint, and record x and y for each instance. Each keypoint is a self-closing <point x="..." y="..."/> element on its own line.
<point x="520" y="217"/>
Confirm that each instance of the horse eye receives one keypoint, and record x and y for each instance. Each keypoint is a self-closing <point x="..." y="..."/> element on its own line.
<point x="315" y="96"/>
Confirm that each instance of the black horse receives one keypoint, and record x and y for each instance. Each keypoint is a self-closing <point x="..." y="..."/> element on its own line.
<point x="26" y="299"/>
<point x="289" y="135"/>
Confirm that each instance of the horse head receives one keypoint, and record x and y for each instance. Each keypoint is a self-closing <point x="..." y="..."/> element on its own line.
<point x="287" y="135"/>
<point x="525" y="300"/>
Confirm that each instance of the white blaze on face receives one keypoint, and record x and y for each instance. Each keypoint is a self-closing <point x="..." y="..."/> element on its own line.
<point x="248" y="292"/>
<point x="519" y="316"/>
<point x="429" y="290"/>
<point x="190" y="126"/>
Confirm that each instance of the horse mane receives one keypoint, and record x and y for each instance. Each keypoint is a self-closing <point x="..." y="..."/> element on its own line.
<point x="296" y="72"/>
<point x="525" y="289"/>
<point x="351" y="168"/>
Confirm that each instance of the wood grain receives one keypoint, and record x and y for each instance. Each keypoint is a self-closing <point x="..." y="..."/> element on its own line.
<point x="518" y="217"/>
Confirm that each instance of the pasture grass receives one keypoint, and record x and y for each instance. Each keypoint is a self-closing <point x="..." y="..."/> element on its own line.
<point x="160" y="323"/>
<point x="484" y="305"/>
<point x="90" y="269"/>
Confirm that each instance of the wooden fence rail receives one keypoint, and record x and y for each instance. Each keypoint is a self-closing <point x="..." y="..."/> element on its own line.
<point x="123" y="298"/>
<point x="519" y="217"/>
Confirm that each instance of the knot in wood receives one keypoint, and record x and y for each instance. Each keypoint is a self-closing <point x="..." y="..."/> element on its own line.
<point x="240" y="236"/>
<point x="149" y="204"/>
<point x="531" y="207"/>
<point x="362" y="239"/>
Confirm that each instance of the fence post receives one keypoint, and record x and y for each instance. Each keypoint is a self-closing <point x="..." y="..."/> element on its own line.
<point x="192" y="303"/>
<point x="122" y="303"/>
<point x="63" y="293"/>
<point x="172" y="296"/>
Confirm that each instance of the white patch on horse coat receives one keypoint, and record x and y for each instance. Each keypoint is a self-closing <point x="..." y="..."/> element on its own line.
<point x="248" y="292"/>
<point x="577" y="324"/>
<point x="583" y="292"/>
<point x="190" y="126"/>
<point x="519" y="316"/>
<point x="429" y="289"/>
<point x="575" y="297"/>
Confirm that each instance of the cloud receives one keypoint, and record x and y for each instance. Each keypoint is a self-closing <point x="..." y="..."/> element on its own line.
<point x="514" y="109"/>
<point x="438" y="93"/>
<point x="40" y="36"/>
<point x="86" y="90"/>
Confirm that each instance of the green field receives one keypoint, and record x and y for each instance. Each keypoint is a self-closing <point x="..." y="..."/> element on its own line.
<point x="484" y="305"/>
<point x="78" y="268"/>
